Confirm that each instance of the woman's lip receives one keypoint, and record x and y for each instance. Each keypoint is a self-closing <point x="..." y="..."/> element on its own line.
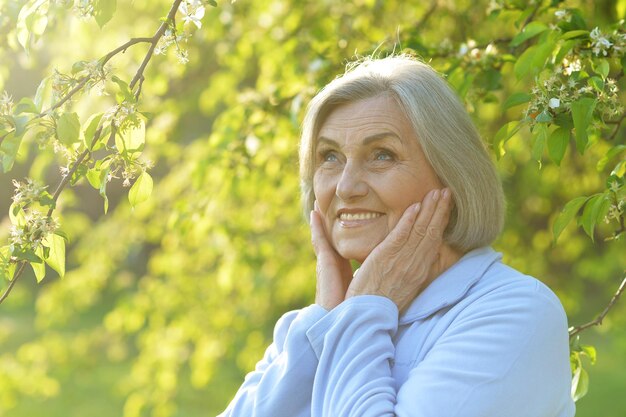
<point x="355" y="218"/>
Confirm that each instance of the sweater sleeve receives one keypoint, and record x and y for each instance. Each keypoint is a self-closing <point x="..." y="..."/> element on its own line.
<point x="505" y="355"/>
<point x="281" y="383"/>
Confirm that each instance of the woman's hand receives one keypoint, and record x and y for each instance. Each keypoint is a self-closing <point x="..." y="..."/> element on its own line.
<point x="403" y="264"/>
<point x="333" y="272"/>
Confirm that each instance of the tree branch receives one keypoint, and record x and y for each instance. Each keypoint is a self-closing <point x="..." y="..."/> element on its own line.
<point x="433" y="7"/>
<point x="138" y="77"/>
<point x="69" y="95"/>
<point x="618" y="124"/>
<point x="573" y="331"/>
<point x="159" y="33"/>
<point x="17" y="275"/>
<point x="123" y="48"/>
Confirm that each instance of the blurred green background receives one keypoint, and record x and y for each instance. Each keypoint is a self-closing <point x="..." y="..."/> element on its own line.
<point x="165" y="307"/>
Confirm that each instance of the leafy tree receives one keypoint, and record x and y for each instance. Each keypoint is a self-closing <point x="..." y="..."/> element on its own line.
<point x="174" y="285"/>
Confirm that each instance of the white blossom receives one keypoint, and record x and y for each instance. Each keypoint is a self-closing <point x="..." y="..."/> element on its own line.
<point x="599" y="42"/>
<point x="253" y="144"/>
<point x="554" y="103"/>
<point x="6" y="103"/>
<point x="193" y="11"/>
<point x="570" y="66"/>
<point x="563" y="15"/>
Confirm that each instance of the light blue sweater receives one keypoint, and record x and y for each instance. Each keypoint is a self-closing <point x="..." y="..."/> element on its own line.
<point x="483" y="340"/>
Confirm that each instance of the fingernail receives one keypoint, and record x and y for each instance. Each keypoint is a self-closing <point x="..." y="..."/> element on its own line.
<point x="418" y="206"/>
<point x="435" y="195"/>
<point x="446" y="193"/>
<point x="311" y="217"/>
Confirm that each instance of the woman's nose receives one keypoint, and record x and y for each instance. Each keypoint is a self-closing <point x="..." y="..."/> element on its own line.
<point x="351" y="184"/>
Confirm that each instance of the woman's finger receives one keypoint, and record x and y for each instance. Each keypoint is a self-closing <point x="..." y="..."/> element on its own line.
<point x="318" y="234"/>
<point x="421" y="226"/>
<point x="441" y="215"/>
<point x="402" y="230"/>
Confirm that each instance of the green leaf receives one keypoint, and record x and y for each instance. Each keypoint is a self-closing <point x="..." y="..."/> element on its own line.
<point x="25" y="105"/>
<point x="94" y="176"/>
<point x="574" y="34"/>
<point x="589" y="218"/>
<point x="27" y="255"/>
<point x="461" y="81"/>
<point x="544" y="117"/>
<point x="141" y="189"/>
<point x="103" y="11"/>
<point x="56" y="256"/>
<point x="524" y="62"/>
<point x="130" y="142"/>
<point x="540" y="135"/>
<point x="8" y="150"/>
<point x="68" y="128"/>
<point x="503" y="135"/>
<point x="533" y="58"/>
<point x="580" y="383"/>
<point x="612" y="153"/>
<point x="39" y="268"/>
<point x="516" y="99"/>
<point x="567" y="214"/>
<point x="619" y="169"/>
<point x="32" y="21"/>
<point x="90" y="130"/>
<point x="582" y="112"/>
<point x="557" y="144"/>
<point x="7" y="268"/>
<point x="124" y="93"/>
<point x="601" y="66"/>
<point x="43" y="96"/>
<point x="564" y="49"/>
<point x="17" y="215"/>
<point x="596" y="82"/>
<point x="531" y="30"/>
<point x="590" y="351"/>
<point x="103" y="188"/>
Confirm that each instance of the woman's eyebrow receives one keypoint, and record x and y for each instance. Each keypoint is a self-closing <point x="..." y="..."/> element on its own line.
<point x="380" y="136"/>
<point x="324" y="139"/>
<point x="377" y="137"/>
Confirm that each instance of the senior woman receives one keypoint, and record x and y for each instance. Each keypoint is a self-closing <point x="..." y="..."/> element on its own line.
<point x="432" y="324"/>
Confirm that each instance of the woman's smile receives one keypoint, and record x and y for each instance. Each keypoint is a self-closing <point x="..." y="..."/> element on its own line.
<point x="357" y="217"/>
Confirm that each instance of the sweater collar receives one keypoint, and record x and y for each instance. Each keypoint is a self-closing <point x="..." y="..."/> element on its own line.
<point x="452" y="285"/>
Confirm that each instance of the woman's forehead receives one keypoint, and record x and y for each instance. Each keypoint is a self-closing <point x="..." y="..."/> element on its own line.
<point x="374" y="116"/>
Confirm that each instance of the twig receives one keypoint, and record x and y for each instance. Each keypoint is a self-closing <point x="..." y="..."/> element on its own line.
<point x="531" y="16"/>
<point x="433" y="6"/>
<point x="573" y="331"/>
<point x="159" y="33"/>
<point x="12" y="283"/>
<point x="69" y="95"/>
<point x="123" y="48"/>
<point x="65" y="180"/>
<point x="618" y="125"/>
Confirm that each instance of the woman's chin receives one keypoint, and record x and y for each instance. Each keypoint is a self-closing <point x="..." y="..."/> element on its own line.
<point x="355" y="254"/>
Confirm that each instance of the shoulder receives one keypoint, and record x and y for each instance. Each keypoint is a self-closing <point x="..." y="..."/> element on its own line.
<point x="513" y="302"/>
<point x="502" y="283"/>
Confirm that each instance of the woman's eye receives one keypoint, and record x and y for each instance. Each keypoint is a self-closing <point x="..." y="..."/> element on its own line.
<point x="329" y="156"/>
<point x="384" y="156"/>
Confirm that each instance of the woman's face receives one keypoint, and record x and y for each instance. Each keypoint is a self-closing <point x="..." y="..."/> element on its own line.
<point x="369" y="167"/>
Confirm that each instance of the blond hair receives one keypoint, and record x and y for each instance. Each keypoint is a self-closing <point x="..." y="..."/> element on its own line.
<point x="444" y="129"/>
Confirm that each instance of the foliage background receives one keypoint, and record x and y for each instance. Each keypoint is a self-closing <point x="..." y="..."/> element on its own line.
<point x="165" y="306"/>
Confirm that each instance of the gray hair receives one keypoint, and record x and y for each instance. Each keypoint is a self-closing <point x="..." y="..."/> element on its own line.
<point x="444" y="129"/>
